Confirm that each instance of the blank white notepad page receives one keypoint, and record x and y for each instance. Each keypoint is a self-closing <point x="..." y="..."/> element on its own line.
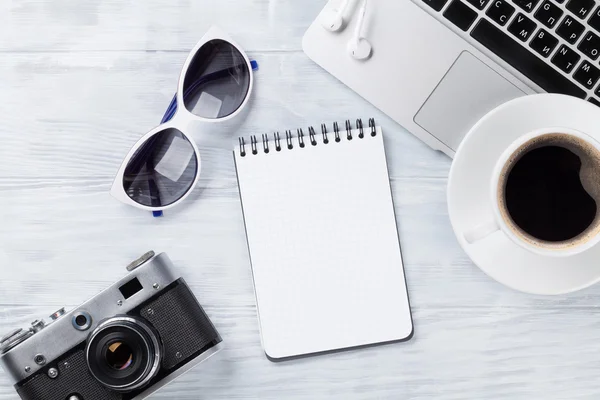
<point x="323" y="245"/>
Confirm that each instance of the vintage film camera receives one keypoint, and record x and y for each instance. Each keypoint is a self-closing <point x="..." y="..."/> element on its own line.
<point x="125" y="343"/>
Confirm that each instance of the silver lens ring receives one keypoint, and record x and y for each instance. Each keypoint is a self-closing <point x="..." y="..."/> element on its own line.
<point x="150" y="342"/>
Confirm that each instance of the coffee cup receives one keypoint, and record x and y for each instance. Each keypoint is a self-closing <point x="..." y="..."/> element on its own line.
<point x="545" y="193"/>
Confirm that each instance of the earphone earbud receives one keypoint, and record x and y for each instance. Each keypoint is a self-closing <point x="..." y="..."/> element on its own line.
<point x="333" y="19"/>
<point x="359" y="47"/>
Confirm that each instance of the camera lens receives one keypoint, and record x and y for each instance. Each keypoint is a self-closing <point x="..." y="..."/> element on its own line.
<point x="123" y="353"/>
<point x="119" y="355"/>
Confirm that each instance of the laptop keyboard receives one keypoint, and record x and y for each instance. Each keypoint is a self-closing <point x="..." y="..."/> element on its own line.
<point x="555" y="43"/>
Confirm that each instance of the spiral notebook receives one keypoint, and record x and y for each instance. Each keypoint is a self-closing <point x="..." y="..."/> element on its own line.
<point x="322" y="238"/>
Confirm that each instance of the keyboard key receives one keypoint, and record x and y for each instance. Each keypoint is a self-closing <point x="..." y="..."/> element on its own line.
<point x="523" y="60"/>
<point x="581" y="8"/>
<point x="587" y="74"/>
<point x="500" y="11"/>
<point x="569" y="29"/>
<point x="565" y="58"/>
<point x="460" y="14"/>
<point x="594" y="101"/>
<point x="437" y="5"/>
<point x="527" y="5"/>
<point x="590" y="45"/>
<point x="594" y="22"/>
<point x="543" y="43"/>
<point x="548" y="14"/>
<point x="479" y="4"/>
<point x="522" y="27"/>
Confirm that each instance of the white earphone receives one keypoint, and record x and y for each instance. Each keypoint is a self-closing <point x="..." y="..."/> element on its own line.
<point x="333" y="19"/>
<point x="359" y="47"/>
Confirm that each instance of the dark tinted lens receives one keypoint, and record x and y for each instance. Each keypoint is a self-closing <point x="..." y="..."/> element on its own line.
<point x="217" y="80"/>
<point x="162" y="170"/>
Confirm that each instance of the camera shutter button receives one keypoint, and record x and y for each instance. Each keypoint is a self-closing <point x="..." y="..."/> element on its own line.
<point x="38" y="325"/>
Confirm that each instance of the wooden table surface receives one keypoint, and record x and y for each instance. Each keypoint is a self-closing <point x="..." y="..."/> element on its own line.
<point x="82" y="81"/>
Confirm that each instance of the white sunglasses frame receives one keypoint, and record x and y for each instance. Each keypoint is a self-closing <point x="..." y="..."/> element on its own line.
<point x="182" y="121"/>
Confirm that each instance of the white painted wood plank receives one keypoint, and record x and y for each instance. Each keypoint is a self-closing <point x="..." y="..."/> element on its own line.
<point x="71" y="25"/>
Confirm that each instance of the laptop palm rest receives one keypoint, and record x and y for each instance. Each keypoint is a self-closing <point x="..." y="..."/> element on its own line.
<point x="468" y="91"/>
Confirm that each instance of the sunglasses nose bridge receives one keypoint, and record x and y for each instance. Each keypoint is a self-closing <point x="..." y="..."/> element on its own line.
<point x="182" y="118"/>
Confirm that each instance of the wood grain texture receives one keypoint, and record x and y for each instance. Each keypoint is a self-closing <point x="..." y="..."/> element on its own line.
<point x="81" y="81"/>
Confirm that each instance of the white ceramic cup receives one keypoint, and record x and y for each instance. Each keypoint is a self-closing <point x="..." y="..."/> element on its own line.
<point x="498" y="221"/>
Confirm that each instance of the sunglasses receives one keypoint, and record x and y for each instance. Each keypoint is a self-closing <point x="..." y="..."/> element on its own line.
<point x="163" y="167"/>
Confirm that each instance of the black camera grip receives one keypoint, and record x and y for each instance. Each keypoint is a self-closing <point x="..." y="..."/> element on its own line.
<point x="73" y="378"/>
<point x="182" y="324"/>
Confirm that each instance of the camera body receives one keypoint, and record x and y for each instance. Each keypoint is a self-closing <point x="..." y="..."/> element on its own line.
<point x="123" y="344"/>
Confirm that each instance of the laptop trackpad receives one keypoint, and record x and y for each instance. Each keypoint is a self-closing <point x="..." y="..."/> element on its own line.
<point x="466" y="93"/>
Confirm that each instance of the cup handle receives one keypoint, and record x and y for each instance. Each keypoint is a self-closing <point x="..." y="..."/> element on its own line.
<point x="481" y="231"/>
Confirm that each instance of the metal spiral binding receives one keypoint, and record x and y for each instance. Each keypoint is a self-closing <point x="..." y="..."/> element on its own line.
<point x="312" y="135"/>
<point x="242" y="147"/>
<point x="277" y="141"/>
<point x="324" y="133"/>
<point x="300" y="137"/>
<point x="348" y="130"/>
<point x="253" y="143"/>
<point x="372" y="126"/>
<point x="359" y="126"/>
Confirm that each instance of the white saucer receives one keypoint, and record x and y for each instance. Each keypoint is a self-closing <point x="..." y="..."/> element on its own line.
<point x="469" y="202"/>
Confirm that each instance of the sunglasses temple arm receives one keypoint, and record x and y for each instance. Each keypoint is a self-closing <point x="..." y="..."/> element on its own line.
<point x="172" y="107"/>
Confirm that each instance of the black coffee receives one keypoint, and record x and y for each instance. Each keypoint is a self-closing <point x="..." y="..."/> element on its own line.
<point x="544" y="194"/>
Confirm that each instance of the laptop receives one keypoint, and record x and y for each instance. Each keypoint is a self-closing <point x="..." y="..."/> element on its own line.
<point x="438" y="66"/>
